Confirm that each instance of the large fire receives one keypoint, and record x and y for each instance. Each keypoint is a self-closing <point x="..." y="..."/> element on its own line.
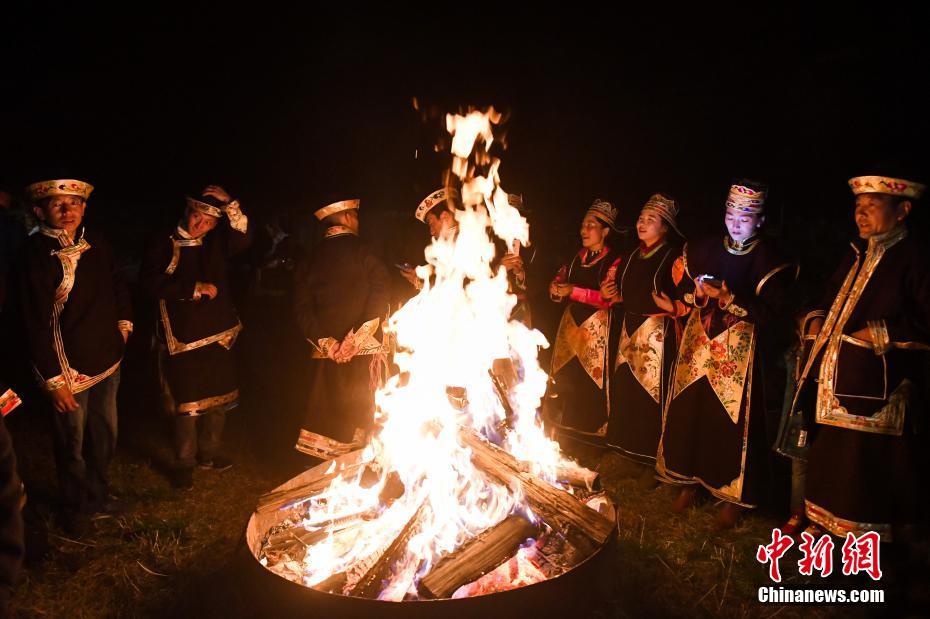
<point x="454" y="336"/>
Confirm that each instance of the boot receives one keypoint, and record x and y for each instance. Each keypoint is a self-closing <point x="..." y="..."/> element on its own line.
<point x="729" y="515"/>
<point x="686" y="498"/>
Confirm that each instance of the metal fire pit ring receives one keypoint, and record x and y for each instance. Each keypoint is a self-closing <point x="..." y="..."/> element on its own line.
<point x="570" y="594"/>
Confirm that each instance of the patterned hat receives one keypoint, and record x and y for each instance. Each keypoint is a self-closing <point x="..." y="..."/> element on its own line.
<point x="336" y="207"/>
<point x="746" y="199"/>
<point x="886" y="185"/>
<point x="666" y="208"/>
<point x="204" y="207"/>
<point x="63" y="187"/>
<point x="430" y="201"/>
<point x="605" y="211"/>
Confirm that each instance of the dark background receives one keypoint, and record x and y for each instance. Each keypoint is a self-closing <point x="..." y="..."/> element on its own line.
<point x="288" y="109"/>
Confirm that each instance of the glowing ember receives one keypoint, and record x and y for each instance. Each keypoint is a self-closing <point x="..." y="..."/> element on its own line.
<point x="452" y="335"/>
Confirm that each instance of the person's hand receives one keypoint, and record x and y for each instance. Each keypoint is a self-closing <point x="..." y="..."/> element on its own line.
<point x="410" y="274"/>
<point x="609" y="289"/>
<point x="554" y="289"/>
<point x="563" y="290"/>
<point x="208" y="289"/>
<point x="714" y="292"/>
<point x="217" y="192"/>
<point x="347" y="350"/>
<point x="814" y="326"/>
<point x="663" y="302"/>
<point x="63" y="400"/>
<point x="333" y="350"/>
<point x="513" y="263"/>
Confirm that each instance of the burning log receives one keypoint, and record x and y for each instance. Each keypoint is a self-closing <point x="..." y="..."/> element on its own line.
<point x="371" y="583"/>
<point x="477" y="557"/>
<point x="557" y="507"/>
<point x="578" y="476"/>
<point x="345" y="466"/>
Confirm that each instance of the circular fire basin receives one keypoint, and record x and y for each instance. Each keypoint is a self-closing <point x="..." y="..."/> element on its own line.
<point x="568" y="595"/>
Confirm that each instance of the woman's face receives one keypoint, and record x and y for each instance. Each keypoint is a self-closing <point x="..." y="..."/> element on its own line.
<point x="593" y="232"/>
<point x="742" y="226"/>
<point x="650" y="227"/>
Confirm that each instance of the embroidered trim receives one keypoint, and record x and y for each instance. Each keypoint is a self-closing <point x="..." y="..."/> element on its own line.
<point x="774" y="272"/>
<point x="176" y="245"/>
<point x="840" y="526"/>
<point x="363" y="338"/>
<point x="725" y="361"/>
<point x="831" y="336"/>
<point x="238" y="220"/>
<point x="338" y="231"/>
<point x="740" y="248"/>
<point x="587" y="341"/>
<point x="226" y="338"/>
<point x="192" y="408"/>
<point x="643" y="352"/>
<point x="74" y="380"/>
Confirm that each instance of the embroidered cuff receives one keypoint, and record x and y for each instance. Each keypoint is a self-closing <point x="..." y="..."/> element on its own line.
<point x="8" y="401"/>
<point x="690" y="299"/>
<point x="124" y="325"/>
<point x="237" y="219"/>
<point x="56" y="382"/>
<point x="881" y="342"/>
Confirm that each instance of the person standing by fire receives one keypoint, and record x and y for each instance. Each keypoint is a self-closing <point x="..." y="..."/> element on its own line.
<point x="186" y="270"/>
<point x="863" y="379"/>
<point x="77" y="318"/>
<point x="714" y="431"/>
<point x="437" y="210"/>
<point x="644" y="290"/>
<point x="577" y="404"/>
<point x="341" y="296"/>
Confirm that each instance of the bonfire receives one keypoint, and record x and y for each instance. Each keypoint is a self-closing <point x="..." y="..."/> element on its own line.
<point x="459" y="491"/>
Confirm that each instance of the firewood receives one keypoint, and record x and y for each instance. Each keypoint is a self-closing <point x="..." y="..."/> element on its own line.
<point x="578" y="476"/>
<point x="371" y="584"/>
<point x="477" y="557"/>
<point x="558" y="508"/>
<point x="312" y="482"/>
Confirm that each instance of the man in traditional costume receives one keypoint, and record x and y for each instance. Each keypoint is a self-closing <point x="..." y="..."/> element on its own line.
<point x="714" y="430"/>
<point x="341" y="296"/>
<point x="77" y="319"/>
<point x="867" y="460"/>
<point x="643" y="291"/>
<point x="577" y="405"/>
<point x="437" y="210"/>
<point x="186" y="270"/>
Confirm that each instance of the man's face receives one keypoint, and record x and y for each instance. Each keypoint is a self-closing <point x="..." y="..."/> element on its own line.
<point x="742" y="226"/>
<point x="62" y="212"/>
<point x="593" y="232"/>
<point x="876" y="213"/>
<point x="198" y="224"/>
<point x="438" y="224"/>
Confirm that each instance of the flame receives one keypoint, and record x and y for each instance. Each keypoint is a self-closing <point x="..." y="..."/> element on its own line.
<point x="451" y="335"/>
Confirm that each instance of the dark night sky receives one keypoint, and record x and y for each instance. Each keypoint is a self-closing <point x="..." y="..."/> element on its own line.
<point x="286" y="109"/>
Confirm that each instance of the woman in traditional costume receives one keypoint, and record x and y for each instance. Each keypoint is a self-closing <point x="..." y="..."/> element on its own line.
<point x="577" y="406"/>
<point x="646" y="314"/>
<point x="714" y="428"/>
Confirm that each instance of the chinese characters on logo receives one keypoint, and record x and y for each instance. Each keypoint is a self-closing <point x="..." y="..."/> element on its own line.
<point x="859" y="554"/>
